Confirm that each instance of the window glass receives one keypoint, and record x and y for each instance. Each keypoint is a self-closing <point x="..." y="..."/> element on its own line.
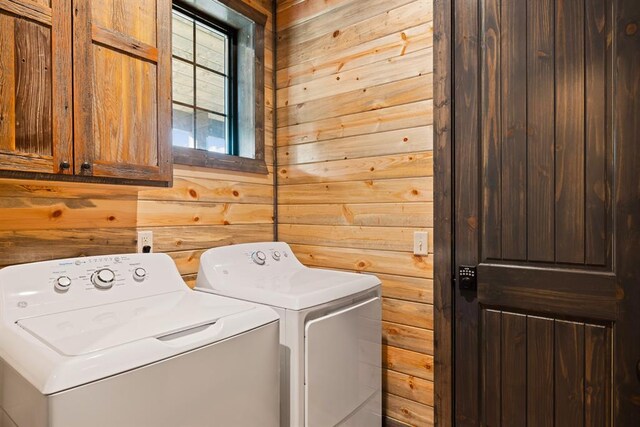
<point x="202" y="103"/>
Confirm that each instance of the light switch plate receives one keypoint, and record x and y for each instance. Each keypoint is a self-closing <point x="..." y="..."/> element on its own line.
<point x="420" y="243"/>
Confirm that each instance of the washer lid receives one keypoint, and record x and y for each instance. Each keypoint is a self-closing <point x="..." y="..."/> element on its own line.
<point x="79" y="332"/>
<point x="295" y="289"/>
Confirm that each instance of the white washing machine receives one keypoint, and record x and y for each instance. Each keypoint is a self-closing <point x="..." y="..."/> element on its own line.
<point x="121" y="341"/>
<point x="330" y="330"/>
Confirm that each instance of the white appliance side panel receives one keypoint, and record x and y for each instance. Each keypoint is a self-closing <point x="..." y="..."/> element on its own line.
<point x="231" y="383"/>
<point x="342" y="362"/>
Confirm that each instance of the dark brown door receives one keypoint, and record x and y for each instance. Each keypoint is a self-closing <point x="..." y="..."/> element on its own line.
<point x="547" y="208"/>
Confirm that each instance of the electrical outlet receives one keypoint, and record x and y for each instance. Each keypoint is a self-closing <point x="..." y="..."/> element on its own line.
<point x="420" y="243"/>
<point x="145" y="241"/>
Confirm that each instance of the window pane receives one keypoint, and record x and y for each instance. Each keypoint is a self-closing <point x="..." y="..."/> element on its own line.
<point x="211" y="132"/>
<point x="210" y="48"/>
<point x="182" y="36"/>
<point x="183" y="126"/>
<point x="182" y="82"/>
<point x="210" y="91"/>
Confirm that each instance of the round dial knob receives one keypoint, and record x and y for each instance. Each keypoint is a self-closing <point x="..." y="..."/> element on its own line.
<point x="259" y="257"/>
<point x="276" y="255"/>
<point x="139" y="274"/>
<point x="103" y="278"/>
<point x="62" y="283"/>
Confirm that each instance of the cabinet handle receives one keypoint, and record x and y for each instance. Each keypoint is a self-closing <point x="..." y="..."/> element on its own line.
<point x="85" y="166"/>
<point x="64" y="165"/>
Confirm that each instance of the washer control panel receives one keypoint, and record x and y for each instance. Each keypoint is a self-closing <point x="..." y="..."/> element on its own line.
<point x="101" y="273"/>
<point x="266" y="256"/>
<point x="52" y="286"/>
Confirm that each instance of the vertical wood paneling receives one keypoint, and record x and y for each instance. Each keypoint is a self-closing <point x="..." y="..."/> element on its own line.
<point x="33" y="88"/>
<point x="491" y="132"/>
<point x="7" y="83"/>
<point x="597" y="381"/>
<point x="569" y="71"/>
<point x="514" y="128"/>
<point x="492" y="342"/>
<point x="540" y="125"/>
<point x="466" y="213"/>
<point x="596" y="130"/>
<point x="569" y="374"/>
<point x="540" y="378"/>
<point x="514" y="373"/>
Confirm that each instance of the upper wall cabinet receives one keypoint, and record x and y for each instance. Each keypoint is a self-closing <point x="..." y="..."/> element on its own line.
<point x="85" y="90"/>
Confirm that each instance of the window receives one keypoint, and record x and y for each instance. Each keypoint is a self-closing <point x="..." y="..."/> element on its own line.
<point x="218" y="75"/>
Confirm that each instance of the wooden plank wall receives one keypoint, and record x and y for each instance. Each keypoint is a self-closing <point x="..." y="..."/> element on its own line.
<point x="205" y="207"/>
<point x="354" y="134"/>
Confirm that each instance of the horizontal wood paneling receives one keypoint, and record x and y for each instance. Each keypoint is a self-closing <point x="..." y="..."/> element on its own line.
<point x="409" y="387"/>
<point x="365" y="214"/>
<point x="408" y="411"/>
<point x="407" y="337"/>
<point x="393" y="239"/>
<point x="375" y="144"/>
<point x="355" y="166"/>
<point x="368" y="51"/>
<point x="401" y="116"/>
<point x="357" y="101"/>
<point x="369" y="191"/>
<point x="366" y="260"/>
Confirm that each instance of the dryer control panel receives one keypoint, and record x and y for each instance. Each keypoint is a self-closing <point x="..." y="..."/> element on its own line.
<point x="53" y="286"/>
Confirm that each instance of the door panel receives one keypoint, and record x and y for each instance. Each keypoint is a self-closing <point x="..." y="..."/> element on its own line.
<point x="533" y="209"/>
<point x="123" y="82"/>
<point x="545" y="372"/>
<point x="545" y="189"/>
<point x="35" y="88"/>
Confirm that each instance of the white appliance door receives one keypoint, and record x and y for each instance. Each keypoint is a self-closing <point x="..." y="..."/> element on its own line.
<point x="79" y="332"/>
<point x="342" y="363"/>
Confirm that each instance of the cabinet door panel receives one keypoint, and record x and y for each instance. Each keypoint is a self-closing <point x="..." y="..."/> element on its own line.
<point x="124" y="125"/>
<point x="35" y="88"/>
<point x="123" y="89"/>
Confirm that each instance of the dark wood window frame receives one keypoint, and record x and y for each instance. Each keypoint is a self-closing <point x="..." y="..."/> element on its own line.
<point x="203" y="158"/>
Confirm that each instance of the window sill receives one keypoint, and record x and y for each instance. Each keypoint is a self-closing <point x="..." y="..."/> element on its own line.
<point x="206" y="159"/>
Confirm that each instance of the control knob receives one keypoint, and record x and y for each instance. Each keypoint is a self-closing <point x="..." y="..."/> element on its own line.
<point x="62" y="284"/>
<point x="103" y="278"/>
<point x="139" y="274"/>
<point x="276" y="255"/>
<point x="259" y="257"/>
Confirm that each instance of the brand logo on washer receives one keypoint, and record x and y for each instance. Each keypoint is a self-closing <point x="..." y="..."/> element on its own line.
<point x="22" y="304"/>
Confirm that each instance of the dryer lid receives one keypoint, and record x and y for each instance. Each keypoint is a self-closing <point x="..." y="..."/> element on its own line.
<point x="79" y="332"/>
<point x="296" y="289"/>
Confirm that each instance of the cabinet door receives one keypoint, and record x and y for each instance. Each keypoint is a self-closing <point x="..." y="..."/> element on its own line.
<point x="35" y="87"/>
<point x="122" y="89"/>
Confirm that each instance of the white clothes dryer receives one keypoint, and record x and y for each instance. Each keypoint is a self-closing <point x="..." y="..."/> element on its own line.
<point x="122" y="341"/>
<point x="330" y="330"/>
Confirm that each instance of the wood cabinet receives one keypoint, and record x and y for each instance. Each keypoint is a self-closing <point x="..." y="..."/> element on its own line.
<point x="85" y="90"/>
